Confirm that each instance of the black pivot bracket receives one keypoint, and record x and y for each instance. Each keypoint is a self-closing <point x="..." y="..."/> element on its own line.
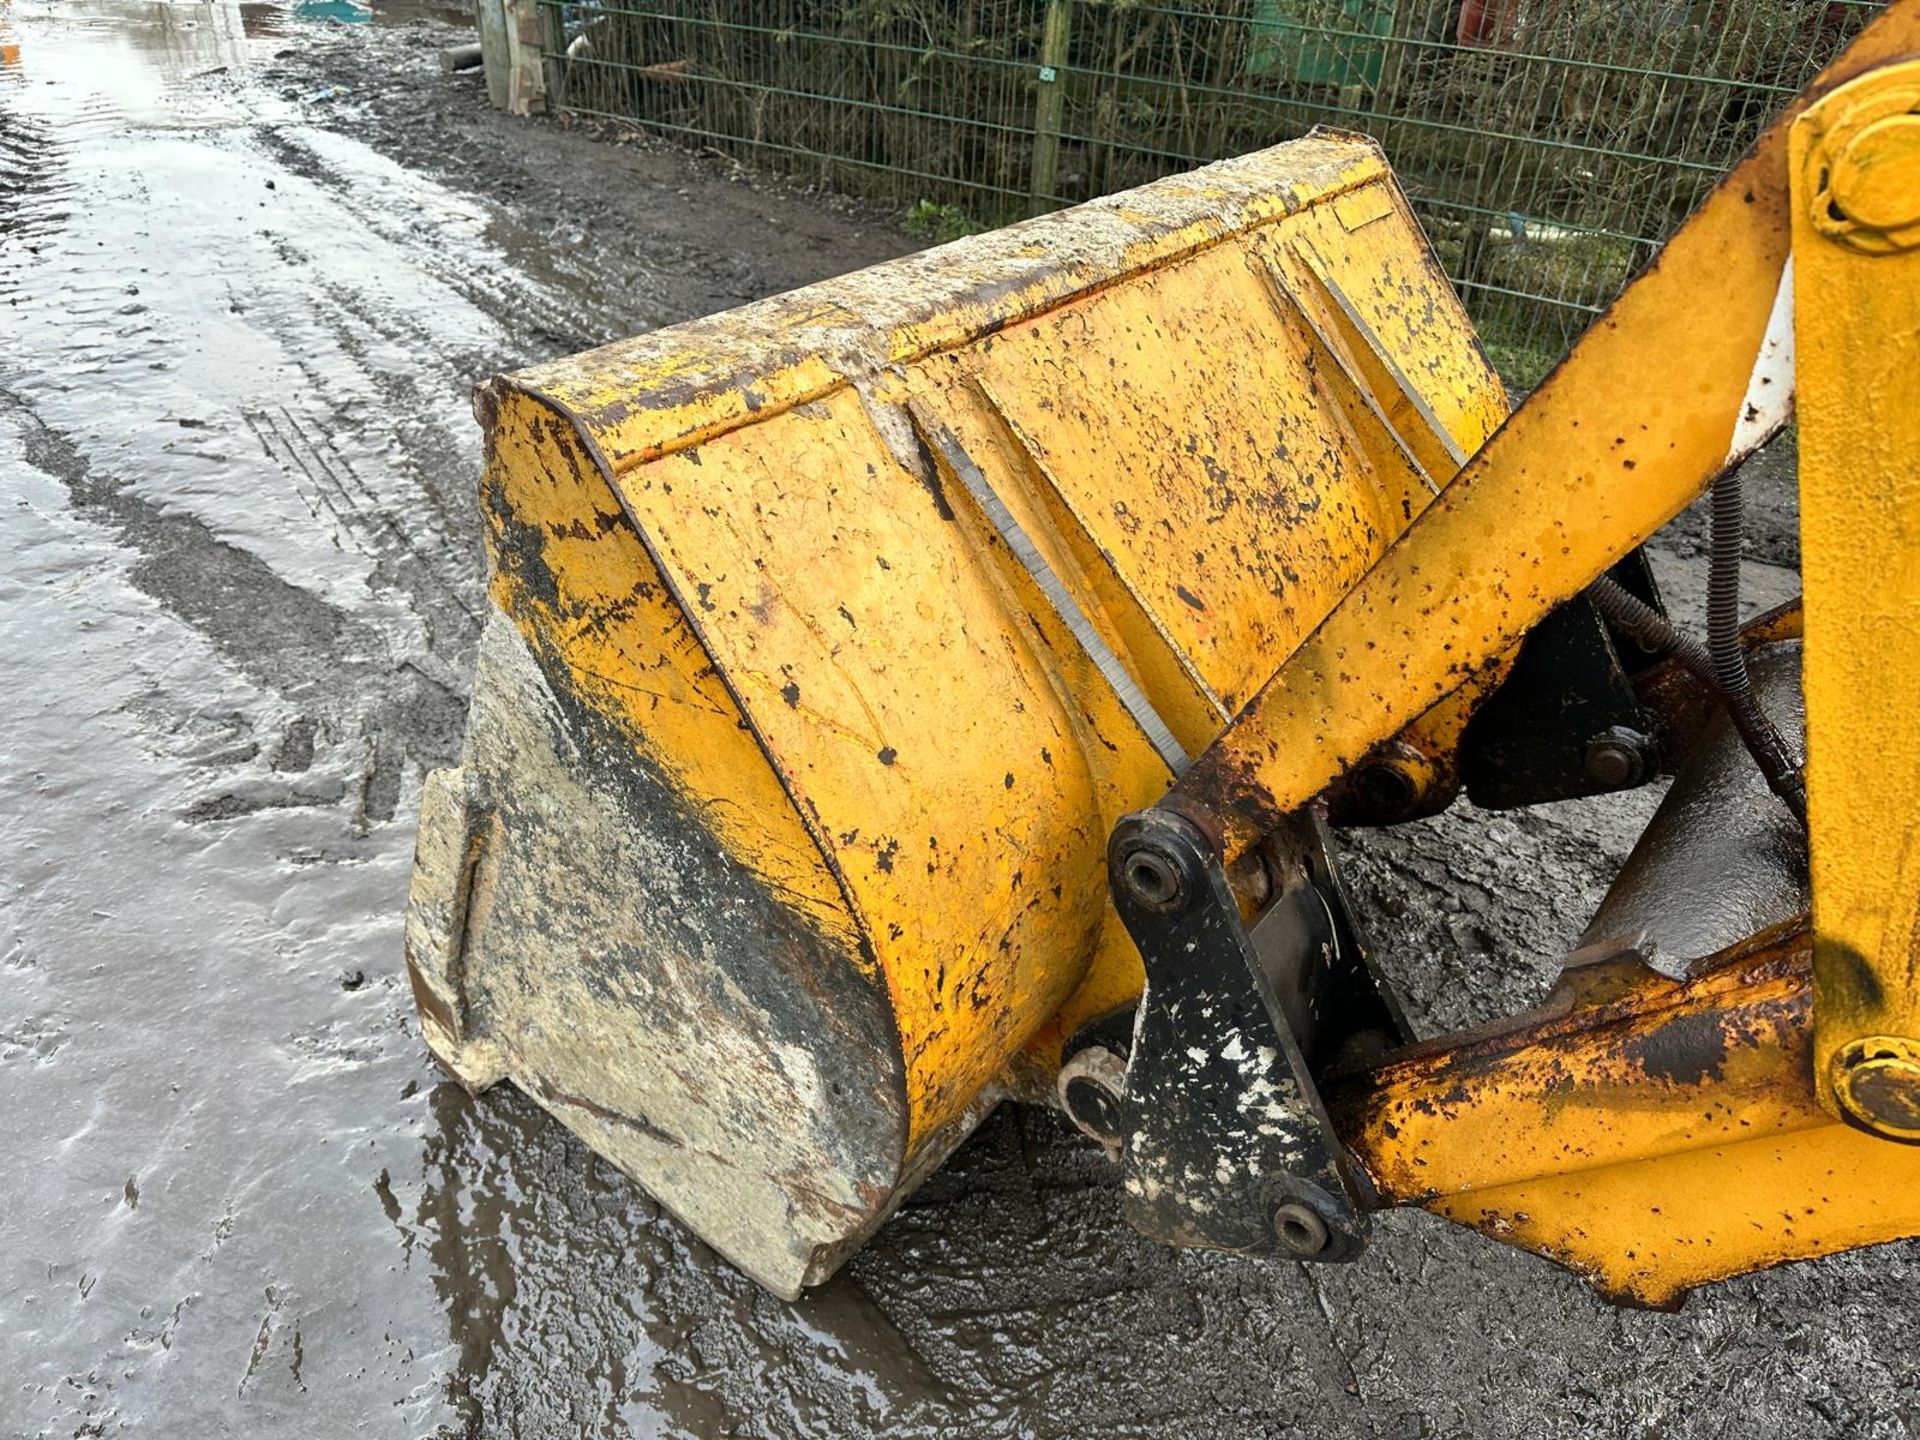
<point x="1216" y="1120"/>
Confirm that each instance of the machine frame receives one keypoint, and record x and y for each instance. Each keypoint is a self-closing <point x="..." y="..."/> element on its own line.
<point x="1652" y="1133"/>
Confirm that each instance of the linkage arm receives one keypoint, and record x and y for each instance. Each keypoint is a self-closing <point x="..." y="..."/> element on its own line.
<point x="1651" y="405"/>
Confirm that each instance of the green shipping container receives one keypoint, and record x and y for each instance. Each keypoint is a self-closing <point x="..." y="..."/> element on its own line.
<point x="1287" y="44"/>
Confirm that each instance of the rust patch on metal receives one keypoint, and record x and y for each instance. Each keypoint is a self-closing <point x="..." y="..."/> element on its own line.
<point x="1689" y="1049"/>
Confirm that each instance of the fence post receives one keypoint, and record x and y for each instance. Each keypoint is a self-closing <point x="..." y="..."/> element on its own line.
<point x="1052" y="102"/>
<point x="553" y="41"/>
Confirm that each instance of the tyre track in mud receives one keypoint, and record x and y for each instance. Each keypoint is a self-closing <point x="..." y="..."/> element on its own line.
<point x="364" y="690"/>
<point x="336" y="669"/>
<point x="313" y="607"/>
<point x="257" y="410"/>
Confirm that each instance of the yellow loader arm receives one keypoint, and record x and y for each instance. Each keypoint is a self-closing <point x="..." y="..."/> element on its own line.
<point x="828" y="775"/>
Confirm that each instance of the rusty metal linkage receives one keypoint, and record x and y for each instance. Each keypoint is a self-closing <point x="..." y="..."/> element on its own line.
<point x="1651" y="1134"/>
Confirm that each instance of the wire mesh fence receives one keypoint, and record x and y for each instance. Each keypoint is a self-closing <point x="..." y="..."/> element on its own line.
<point x="1548" y="146"/>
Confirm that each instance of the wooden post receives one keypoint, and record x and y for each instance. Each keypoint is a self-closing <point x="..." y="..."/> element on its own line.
<point x="527" y="85"/>
<point x="553" y="41"/>
<point x="490" y="18"/>
<point x="1050" y="106"/>
<point x="512" y="39"/>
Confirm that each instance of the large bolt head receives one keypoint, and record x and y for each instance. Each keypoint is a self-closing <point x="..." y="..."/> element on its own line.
<point x="1877" y="1083"/>
<point x="1876" y="178"/>
<point x="1617" y="758"/>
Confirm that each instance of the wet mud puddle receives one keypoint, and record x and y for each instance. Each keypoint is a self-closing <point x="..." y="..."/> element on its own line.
<point x="241" y="597"/>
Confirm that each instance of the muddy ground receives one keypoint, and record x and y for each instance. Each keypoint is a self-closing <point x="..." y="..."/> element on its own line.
<point x="250" y="265"/>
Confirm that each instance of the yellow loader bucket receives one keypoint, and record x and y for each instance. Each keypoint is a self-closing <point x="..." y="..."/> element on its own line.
<point x="831" y="635"/>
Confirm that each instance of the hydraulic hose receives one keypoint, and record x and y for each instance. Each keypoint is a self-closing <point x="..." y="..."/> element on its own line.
<point x="1658" y="635"/>
<point x="1769" y="750"/>
<point x="1650" y="630"/>
<point x="1727" y="541"/>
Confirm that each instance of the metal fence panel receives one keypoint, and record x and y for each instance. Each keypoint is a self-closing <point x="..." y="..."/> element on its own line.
<point x="1548" y="145"/>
